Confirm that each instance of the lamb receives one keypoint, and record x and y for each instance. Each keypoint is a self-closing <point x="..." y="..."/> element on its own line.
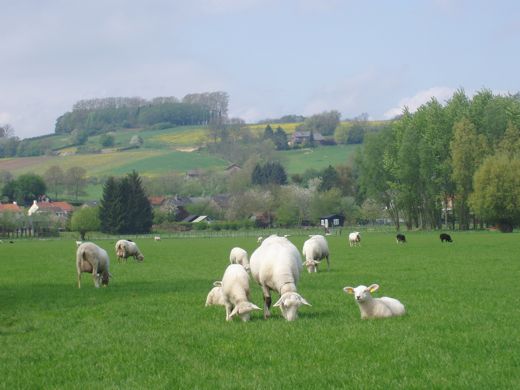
<point x="375" y="307"/>
<point x="445" y="237"/>
<point x="239" y="256"/>
<point x="127" y="248"/>
<point x="259" y="239"/>
<point x="78" y="243"/>
<point x="275" y="266"/>
<point x="157" y="238"/>
<point x="400" y="238"/>
<point x="94" y="259"/>
<point x="314" y="250"/>
<point x="215" y="295"/>
<point x="354" y="239"/>
<point x="235" y="293"/>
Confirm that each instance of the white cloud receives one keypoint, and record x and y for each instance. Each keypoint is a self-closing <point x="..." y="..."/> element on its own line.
<point x="414" y="102"/>
<point x="5" y="117"/>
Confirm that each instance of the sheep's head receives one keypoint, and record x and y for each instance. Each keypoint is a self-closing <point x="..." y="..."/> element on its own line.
<point x="312" y="265"/>
<point x="243" y="310"/>
<point x="361" y="293"/>
<point x="289" y="304"/>
<point x="140" y="257"/>
<point x="105" y="278"/>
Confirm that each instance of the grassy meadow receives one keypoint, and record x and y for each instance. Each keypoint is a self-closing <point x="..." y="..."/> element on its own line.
<point x="150" y="330"/>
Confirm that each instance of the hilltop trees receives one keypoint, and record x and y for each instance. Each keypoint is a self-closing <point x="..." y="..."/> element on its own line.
<point x="24" y="189"/>
<point x="125" y="208"/>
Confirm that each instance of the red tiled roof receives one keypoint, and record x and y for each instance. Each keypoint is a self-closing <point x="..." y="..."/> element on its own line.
<point x="156" y="200"/>
<point x="14" y="208"/>
<point x="67" y="207"/>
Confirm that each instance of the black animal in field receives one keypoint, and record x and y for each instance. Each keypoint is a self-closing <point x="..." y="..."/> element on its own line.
<point x="400" y="238"/>
<point x="445" y="237"/>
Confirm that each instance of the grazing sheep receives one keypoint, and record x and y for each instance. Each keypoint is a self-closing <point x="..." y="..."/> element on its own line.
<point x="127" y="248"/>
<point x="314" y="250"/>
<point x="157" y="238"/>
<point x="400" y="238"/>
<point x="239" y="256"/>
<point x="259" y="239"/>
<point x="78" y="243"/>
<point x="275" y="266"/>
<point x="354" y="239"/>
<point x="94" y="259"/>
<point x="235" y="293"/>
<point x="215" y="295"/>
<point x="375" y="307"/>
<point x="445" y="237"/>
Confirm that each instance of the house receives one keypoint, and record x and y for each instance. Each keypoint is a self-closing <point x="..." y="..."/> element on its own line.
<point x="190" y="218"/>
<point x="332" y="221"/>
<point x="10" y="208"/>
<point x="58" y="209"/>
<point x="304" y="137"/>
<point x="156" y="201"/>
<point x="233" y="168"/>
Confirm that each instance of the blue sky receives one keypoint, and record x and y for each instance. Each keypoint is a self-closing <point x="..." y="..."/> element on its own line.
<point x="273" y="57"/>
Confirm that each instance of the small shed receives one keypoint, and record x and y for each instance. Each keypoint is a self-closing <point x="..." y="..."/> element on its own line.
<point x="332" y="220"/>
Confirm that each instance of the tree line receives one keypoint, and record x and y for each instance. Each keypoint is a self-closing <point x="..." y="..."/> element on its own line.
<point x="447" y="163"/>
<point x="95" y="116"/>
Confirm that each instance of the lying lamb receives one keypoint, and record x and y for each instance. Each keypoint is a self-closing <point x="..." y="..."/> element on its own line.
<point x="127" y="248"/>
<point x="93" y="259"/>
<point x="314" y="250"/>
<point x="375" y="307"/>
<point x="239" y="256"/>
<point x="276" y="265"/>
<point x="215" y="295"/>
<point x="235" y="293"/>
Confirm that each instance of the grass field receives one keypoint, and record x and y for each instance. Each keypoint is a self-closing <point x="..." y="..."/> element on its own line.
<point x="150" y="330"/>
<point x="299" y="160"/>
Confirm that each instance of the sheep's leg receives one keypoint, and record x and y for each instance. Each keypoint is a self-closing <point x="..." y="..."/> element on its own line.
<point x="79" y="278"/>
<point x="328" y="263"/>
<point x="228" y="312"/>
<point x="267" y="302"/>
<point x="95" y="277"/>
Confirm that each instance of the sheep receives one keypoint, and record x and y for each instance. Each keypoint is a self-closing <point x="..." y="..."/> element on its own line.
<point x="94" y="259"/>
<point x="400" y="238"/>
<point x="239" y="256"/>
<point x="127" y="248"/>
<point x="259" y="240"/>
<point x="157" y="238"/>
<point x="275" y="266"/>
<point x="78" y="243"/>
<point x="375" y="307"/>
<point x="314" y="250"/>
<point x="235" y="293"/>
<point x="354" y="239"/>
<point x="215" y="295"/>
<point x="445" y="237"/>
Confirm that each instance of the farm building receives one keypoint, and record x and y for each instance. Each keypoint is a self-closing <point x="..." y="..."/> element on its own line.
<point x="332" y="220"/>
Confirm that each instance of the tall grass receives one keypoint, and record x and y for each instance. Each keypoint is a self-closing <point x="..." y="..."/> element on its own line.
<point x="150" y="329"/>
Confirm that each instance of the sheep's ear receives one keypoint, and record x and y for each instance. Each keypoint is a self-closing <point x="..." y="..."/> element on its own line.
<point x="279" y="303"/>
<point x="246" y="308"/>
<point x="348" y="290"/>
<point x="304" y="302"/>
<point x="234" y="312"/>
<point x="317" y="262"/>
<point x="218" y="283"/>
<point x="373" y="287"/>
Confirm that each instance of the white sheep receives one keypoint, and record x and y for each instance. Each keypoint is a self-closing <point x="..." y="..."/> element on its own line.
<point x="354" y="239"/>
<point x="239" y="256"/>
<point x="78" y="243"/>
<point x="375" y="307"/>
<point x="215" y="295"/>
<point x="93" y="259"/>
<point x="259" y="239"/>
<point x="157" y="238"/>
<point x="126" y="248"/>
<point x="235" y="293"/>
<point x="314" y="250"/>
<point x="275" y="266"/>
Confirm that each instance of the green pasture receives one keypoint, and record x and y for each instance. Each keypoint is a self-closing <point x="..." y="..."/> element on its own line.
<point x="150" y="330"/>
<point x="299" y="160"/>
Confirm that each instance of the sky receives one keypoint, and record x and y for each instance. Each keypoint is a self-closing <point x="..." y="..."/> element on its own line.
<point x="273" y="57"/>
